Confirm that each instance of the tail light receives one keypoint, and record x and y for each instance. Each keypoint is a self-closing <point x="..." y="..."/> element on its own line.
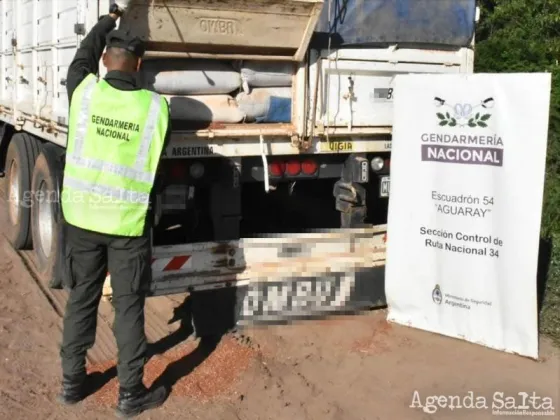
<point x="293" y="168"/>
<point x="277" y="168"/>
<point x="388" y="164"/>
<point x="178" y="169"/>
<point x="309" y="167"/>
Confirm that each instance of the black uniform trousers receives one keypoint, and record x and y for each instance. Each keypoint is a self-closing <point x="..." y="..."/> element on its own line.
<point x="88" y="256"/>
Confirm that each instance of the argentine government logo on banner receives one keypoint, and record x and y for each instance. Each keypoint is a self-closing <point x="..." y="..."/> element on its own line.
<point x="467" y="179"/>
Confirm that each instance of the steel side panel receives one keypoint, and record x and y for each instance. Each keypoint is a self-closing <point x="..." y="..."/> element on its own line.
<point x="351" y="90"/>
<point x="25" y="26"/>
<point x="45" y="82"/>
<point x="67" y="13"/>
<point x="8" y="78"/>
<point x="400" y="55"/>
<point x="64" y="58"/>
<point x="8" y="25"/>
<point x="45" y="24"/>
<point x="25" y="81"/>
<point x="370" y="69"/>
<point x="33" y="69"/>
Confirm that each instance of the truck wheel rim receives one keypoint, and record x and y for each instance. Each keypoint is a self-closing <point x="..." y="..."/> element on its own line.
<point x="13" y="194"/>
<point x="45" y="219"/>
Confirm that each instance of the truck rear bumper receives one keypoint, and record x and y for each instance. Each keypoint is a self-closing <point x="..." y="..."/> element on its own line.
<point x="280" y="277"/>
<point x="187" y="146"/>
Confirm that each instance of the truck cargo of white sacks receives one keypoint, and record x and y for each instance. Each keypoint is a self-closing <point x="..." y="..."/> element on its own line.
<point x="266" y="74"/>
<point x="266" y="104"/>
<point x="212" y="91"/>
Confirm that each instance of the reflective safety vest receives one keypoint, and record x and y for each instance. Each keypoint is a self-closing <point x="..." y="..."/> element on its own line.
<point x="115" y="140"/>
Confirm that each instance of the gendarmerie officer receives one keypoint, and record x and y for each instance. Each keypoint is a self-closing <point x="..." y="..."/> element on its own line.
<point x="117" y="132"/>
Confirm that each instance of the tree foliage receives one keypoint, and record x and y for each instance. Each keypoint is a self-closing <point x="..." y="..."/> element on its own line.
<point x="524" y="36"/>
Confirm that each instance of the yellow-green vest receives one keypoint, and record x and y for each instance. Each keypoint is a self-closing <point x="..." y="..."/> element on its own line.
<point x="115" y="141"/>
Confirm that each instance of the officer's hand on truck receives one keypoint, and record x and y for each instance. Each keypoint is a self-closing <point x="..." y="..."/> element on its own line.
<point x="119" y="7"/>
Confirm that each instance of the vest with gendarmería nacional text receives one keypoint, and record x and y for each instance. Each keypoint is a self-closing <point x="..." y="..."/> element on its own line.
<point x="115" y="141"/>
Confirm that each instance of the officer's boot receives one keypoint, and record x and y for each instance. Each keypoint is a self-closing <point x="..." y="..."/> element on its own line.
<point x="134" y="401"/>
<point x="74" y="389"/>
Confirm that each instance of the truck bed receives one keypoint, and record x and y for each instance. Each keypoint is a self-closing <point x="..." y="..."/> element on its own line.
<point x="39" y="39"/>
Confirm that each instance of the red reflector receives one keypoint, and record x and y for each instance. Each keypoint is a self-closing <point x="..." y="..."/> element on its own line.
<point x="276" y="168"/>
<point x="176" y="263"/>
<point x="309" y="167"/>
<point x="293" y="167"/>
<point x="178" y="170"/>
<point x="387" y="164"/>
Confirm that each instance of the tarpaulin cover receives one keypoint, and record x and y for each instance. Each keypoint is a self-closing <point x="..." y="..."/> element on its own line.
<point x="444" y="22"/>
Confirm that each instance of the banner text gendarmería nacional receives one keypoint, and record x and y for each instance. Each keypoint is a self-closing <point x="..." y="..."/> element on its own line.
<point x="467" y="178"/>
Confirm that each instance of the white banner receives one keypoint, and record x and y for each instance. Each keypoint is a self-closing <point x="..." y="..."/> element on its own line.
<point x="467" y="178"/>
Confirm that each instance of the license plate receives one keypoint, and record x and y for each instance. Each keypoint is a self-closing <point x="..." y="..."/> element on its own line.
<point x="297" y="298"/>
<point x="384" y="184"/>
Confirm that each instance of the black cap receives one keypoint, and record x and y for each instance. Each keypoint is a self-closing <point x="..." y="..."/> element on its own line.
<point x="121" y="39"/>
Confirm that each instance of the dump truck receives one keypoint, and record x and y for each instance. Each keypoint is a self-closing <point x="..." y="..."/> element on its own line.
<point x="276" y="179"/>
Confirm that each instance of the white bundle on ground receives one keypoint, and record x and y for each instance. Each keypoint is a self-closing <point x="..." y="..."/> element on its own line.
<point x="190" y="77"/>
<point x="266" y="74"/>
<point x="266" y="104"/>
<point x="205" y="108"/>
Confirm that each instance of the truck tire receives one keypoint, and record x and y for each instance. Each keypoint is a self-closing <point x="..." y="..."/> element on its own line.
<point x="20" y="160"/>
<point x="45" y="212"/>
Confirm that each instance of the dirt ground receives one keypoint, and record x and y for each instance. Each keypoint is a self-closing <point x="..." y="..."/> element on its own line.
<point x="351" y="368"/>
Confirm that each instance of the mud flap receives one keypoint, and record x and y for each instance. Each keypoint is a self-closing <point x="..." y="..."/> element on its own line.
<point x="56" y="282"/>
<point x="349" y="194"/>
<point x="215" y="312"/>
